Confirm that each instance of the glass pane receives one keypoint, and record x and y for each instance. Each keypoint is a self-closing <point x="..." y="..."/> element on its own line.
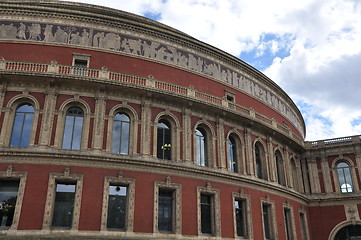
<point x="165" y="211"/>
<point x="266" y="221"/>
<point x="117" y="207"/>
<point x="206" y="214"/>
<point x="116" y="137"/>
<point x="77" y="135"/>
<point x="124" y="147"/>
<point x="17" y="130"/>
<point x="68" y="132"/>
<point x="8" y="196"/>
<point x="240" y="217"/>
<point x="64" y="205"/>
<point x="27" y="126"/>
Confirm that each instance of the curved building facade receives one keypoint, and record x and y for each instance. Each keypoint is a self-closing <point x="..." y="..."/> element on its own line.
<point x="114" y="126"/>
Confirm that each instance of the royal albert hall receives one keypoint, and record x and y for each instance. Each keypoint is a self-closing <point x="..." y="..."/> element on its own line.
<point x="115" y="126"/>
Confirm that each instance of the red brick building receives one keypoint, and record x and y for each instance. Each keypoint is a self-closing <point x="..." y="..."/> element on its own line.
<point x="114" y="126"/>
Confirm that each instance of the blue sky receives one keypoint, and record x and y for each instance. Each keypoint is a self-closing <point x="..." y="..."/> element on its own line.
<point x="311" y="48"/>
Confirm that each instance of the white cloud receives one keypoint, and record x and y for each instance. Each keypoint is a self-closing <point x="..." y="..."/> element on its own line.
<point x="315" y="45"/>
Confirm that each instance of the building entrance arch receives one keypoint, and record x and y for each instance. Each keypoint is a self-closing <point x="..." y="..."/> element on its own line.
<point x="347" y="232"/>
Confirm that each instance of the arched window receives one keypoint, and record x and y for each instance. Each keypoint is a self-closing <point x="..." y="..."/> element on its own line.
<point x="232" y="154"/>
<point x="294" y="174"/>
<point x="22" y="126"/>
<point x="279" y="168"/>
<point x="344" y="177"/>
<point x="201" y="147"/>
<point x="349" y="232"/>
<point x="121" y="134"/>
<point x="257" y="151"/>
<point x="164" y="140"/>
<point x="73" y="128"/>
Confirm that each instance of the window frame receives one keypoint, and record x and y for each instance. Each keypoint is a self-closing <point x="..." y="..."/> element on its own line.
<point x="80" y="70"/>
<point x="50" y="199"/>
<point x="289" y="222"/>
<point x="303" y="224"/>
<point x="129" y="217"/>
<point x="176" y="209"/>
<point x="215" y="210"/>
<point x="170" y="145"/>
<point x="240" y="196"/>
<point x="9" y="174"/>
<point x="344" y="177"/>
<point x="233" y="159"/>
<point x="280" y="169"/>
<point x="270" y="204"/>
<point x="73" y="127"/>
<point x="22" y="124"/>
<point x="9" y="117"/>
<point x="120" y="140"/>
<point x="262" y="161"/>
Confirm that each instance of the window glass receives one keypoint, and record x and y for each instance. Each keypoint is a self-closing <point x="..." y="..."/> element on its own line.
<point x="23" y="123"/>
<point x="344" y="177"/>
<point x="165" y="211"/>
<point x="232" y="152"/>
<point x="73" y="128"/>
<point x="266" y="221"/>
<point x="121" y="134"/>
<point x="201" y="148"/>
<point x="303" y="226"/>
<point x="288" y="224"/>
<point x="164" y="141"/>
<point x="239" y="206"/>
<point x="258" y="162"/>
<point x="8" y="196"/>
<point x="206" y="214"/>
<point x="117" y="204"/>
<point x="64" y="205"/>
<point x="79" y="67"/>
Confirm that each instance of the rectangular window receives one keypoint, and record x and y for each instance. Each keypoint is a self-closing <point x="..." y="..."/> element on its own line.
<point x="165" y="211"/>
<point x="303" y="226"/>
<point x="8" y="196"/>
<point x="266" y="212"/>
<point x="206" y="213"/>
<point x="117" y="207"/>
<point x="64" y="205"/>
<point x="240" y="213"/>
<point x="288" y="223"/>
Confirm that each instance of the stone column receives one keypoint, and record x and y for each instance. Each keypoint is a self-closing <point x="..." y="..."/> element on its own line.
<point x="99" y="116"/>
<point x="187" y="135"/>
<point x="326" y="173"/>
<point x="222" y="154"/>
<point x="249" y="151"/>
<point x="145" y="128"/>
<point x="48" y="116"/>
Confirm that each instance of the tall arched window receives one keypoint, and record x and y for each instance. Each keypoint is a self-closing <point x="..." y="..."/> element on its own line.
<point x="232" y="154"/>
<point x="279" y="168"/>
<point x="22" y="126"/>
<point x="164" y="140"/>
<point x="257" y="151"/>
<point x="344" y="177"/>
<point x="121" y="134"/>
<point x="294" y="174"/>
<point x="201" y="148"/>
<point x="73" y="128"/>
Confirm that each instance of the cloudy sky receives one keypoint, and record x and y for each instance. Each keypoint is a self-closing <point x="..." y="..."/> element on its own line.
<point x="311" y="48"/>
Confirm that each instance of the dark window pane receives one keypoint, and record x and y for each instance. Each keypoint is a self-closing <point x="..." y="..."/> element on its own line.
<point x="165" y="211"/>
<point x="64" y="205"/>
<point x="8" y="196"/>
<point x="240" y="217"/>
<point x="121" y="134"/>
<point x="266" y="221"/>
<point x="73" y="128"/>
<point x="164" y="141"/>
<point x="22" y="126"/>
<point x="117" y="207"/>
<point x="206" y="214"/>
<point x="258" y="162"/>
<point x="303" y="226"/>
<point x="287" y="215"/>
